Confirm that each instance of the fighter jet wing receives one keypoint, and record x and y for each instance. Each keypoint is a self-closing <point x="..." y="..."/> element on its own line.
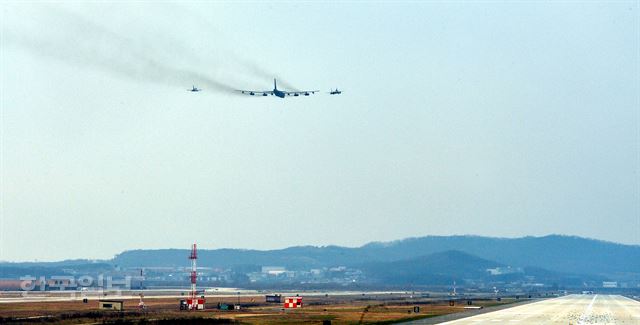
<point x="256" y="92"/>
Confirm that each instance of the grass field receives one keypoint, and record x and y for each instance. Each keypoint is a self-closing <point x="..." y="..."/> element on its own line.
<point x="338" y="310"/>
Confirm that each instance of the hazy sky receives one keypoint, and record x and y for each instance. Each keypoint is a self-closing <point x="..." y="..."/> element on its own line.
<point x="490" y="118"/>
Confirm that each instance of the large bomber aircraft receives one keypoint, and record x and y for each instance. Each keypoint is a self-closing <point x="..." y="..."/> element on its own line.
<point x="277" y="92"/>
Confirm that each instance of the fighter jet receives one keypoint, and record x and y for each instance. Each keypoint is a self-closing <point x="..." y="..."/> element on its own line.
<point x="194" y="89"/>
<point x="277" y="92"/>
<point x="335" y="92"/>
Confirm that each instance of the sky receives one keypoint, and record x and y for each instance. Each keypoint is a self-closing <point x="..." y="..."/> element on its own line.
<point x="490" y="118"/>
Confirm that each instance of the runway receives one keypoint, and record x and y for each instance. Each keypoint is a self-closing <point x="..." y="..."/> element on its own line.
<point x="8" y="297"/>
<point x="573" y="309"/>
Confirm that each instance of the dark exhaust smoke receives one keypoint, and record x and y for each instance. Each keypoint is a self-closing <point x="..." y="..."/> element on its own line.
<point x="76" y="40"/>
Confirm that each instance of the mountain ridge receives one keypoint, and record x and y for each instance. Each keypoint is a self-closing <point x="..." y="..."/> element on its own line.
<point x="557" y="253"/>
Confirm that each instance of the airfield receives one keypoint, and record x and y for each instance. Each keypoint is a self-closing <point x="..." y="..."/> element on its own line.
<point x="339" y="307"/>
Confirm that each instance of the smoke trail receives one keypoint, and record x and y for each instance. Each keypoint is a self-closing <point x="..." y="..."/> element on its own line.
<point x="250" y="66"/>
<point x="264" y="74"/>
<point x="84" y="42"/>
<point x="77" y="40"/>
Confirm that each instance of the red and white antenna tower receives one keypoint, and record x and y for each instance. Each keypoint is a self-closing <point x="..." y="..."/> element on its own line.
<point x="193" y="257"/>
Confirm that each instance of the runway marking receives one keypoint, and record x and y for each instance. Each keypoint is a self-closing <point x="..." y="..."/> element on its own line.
<point x="587" y="312"/>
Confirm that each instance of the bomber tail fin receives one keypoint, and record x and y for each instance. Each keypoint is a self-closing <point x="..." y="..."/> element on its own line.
<point x="274" y="84"/>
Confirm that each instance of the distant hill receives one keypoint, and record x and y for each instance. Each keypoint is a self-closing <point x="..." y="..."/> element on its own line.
<point x="558" y="253"/>
<point x="554" y="259"/>
<point x="565" y="254"/>
<point x="298" y="257"/>
<point x="448" y="266"/>
<point x="437" y="268"/>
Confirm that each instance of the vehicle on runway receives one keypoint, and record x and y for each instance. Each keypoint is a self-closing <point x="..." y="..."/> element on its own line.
<point x="335" y="92"/>
<point x="277" y="92"/>
<point x="194" y="89"/>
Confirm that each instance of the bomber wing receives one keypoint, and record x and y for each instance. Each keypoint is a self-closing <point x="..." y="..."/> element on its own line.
<point x="256" y="92"/>
<point x="301" y="92"/>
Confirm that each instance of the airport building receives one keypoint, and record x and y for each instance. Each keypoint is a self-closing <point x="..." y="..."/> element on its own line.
<point x="111" y="304"/>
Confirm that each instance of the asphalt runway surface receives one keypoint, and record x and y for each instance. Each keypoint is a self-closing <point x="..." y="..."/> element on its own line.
<point x="572" y="309"/>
